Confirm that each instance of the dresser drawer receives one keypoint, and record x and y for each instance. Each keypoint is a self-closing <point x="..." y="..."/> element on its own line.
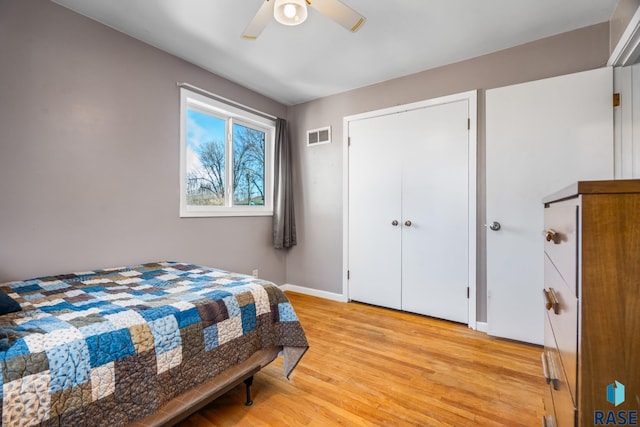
<point x="558" y="395"/>
<point x="560" y="233"/>
<point x="562" y="314"/>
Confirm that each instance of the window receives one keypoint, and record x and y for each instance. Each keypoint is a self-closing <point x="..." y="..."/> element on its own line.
<point x="226" y="159"/>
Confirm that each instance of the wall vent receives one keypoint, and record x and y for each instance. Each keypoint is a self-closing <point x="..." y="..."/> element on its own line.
<point x="319" y="136"/>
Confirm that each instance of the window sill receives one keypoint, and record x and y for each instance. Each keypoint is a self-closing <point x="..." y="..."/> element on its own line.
<point x="223" y="212"/>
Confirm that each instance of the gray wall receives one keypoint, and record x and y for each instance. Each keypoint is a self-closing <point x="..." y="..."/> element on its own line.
<point x="317" y="260"/>
<point x="89" y="146"/>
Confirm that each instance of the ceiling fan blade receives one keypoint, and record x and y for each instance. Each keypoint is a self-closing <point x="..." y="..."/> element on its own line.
<point x="262" y="18"/>
<point x="339" y="12"/>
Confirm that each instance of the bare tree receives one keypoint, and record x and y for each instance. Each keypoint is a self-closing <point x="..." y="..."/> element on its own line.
<point x="212" y="159"/>
<point x="205" y="185"/>
<point x="248" y="164"/>
<point x="208" y="183"/>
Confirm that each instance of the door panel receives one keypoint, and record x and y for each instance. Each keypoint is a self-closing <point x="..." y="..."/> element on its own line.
<point x="374" y="203"/>
<point x="435" y="179"/>
<point x="541" y="136"/>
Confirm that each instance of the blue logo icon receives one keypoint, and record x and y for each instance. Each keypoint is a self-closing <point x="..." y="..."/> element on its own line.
<point x="615" y="393"/>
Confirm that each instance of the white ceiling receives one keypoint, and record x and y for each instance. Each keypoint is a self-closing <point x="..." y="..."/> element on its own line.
<point x="319" y="58"/>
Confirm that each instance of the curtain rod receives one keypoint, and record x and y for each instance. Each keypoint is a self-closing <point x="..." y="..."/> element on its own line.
<point x="225" y="100"/>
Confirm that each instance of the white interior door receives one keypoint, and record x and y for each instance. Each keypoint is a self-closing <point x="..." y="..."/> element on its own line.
<point x="375" y="195"/>
<point x="409" y="208"/>
<point x="541" y="136"/>
<point x="626" y="82"/>
<point x="435" y="199"/>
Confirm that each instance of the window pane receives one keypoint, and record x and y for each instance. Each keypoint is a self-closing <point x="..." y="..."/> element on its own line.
<point x="248" y="166"/>
<point x="205" y="159"/>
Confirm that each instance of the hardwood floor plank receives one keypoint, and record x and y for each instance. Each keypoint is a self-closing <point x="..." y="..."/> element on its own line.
<point x="373" y="366"/>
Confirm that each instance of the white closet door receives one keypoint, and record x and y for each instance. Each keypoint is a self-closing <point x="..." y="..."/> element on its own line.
<point x="435" y="198"/>
<point x="409" y="210"/>
<point x="375" y="195"/>
<point x="541" y="137"/>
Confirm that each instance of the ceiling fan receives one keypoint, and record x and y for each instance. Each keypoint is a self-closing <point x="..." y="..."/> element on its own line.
<point x="294" y="12"/>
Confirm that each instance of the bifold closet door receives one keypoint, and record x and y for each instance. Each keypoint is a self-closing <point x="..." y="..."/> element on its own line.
<point x="408" y="210"/>
<point x="375" y="196"/>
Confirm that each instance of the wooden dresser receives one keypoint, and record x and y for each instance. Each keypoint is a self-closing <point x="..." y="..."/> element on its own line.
<point x="591" y="356"/>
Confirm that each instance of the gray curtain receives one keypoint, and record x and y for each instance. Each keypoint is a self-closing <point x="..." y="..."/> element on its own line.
<point x="284" y="222"/>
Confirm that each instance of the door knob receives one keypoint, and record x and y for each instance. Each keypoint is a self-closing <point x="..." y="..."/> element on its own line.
<point x="394" y="222"/>
<point x="407" y="223"/>
<point x="553" y="236"/>
<point x="494" y="226"/>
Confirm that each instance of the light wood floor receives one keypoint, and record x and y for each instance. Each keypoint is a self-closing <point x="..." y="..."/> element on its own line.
<point x="373" y="366"/>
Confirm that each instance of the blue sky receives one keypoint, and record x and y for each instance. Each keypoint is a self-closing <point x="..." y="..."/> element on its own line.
<point x="201" y="128"/>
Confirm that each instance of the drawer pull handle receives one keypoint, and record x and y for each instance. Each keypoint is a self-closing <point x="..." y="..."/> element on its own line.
<point x="552" y="300"/>
<point x="553" y="236"/>
<point x="547" y="421"/>
<point x="547" y="297"/>
<point x="545" y="368"/>
<point x="550" y="371"/>
<point x="553" y="372"/>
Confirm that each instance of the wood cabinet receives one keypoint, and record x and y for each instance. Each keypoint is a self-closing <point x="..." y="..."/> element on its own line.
<point x="591" y="357"/>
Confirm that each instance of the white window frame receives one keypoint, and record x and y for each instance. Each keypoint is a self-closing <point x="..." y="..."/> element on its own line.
<point x="231" y="114"/>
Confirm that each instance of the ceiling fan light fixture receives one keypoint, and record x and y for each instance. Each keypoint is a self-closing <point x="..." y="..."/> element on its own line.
<point x="290" y="12"/>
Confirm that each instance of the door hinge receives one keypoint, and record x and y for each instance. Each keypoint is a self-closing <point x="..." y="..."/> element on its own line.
<point x="616" y="99"/>
<point x="468" y="124"/>
<point x="349" y="141"/>
<point x="348" y="274"/>
<point x="468" y="292"/>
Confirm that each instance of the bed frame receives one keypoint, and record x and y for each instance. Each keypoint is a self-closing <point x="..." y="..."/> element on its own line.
<point x="197" y="398"/>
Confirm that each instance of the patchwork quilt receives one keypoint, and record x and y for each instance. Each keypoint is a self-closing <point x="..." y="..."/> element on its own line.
<point x="108" y="347"/>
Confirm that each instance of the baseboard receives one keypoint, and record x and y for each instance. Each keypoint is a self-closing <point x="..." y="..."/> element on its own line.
<point x="314" y="292"/>
<point x="480" y="326"/>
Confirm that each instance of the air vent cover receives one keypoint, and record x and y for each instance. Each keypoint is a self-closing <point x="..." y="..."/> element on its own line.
<point x="319" y="136"/>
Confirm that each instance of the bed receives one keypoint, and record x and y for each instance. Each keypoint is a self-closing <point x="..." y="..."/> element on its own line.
<point x="137" y="345"/>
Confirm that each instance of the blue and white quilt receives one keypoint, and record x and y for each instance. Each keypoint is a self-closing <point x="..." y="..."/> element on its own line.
<point x="112" y="346"/>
